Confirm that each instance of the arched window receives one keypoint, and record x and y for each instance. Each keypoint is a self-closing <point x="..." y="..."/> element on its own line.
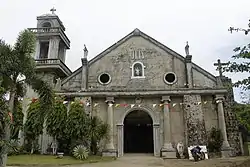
<point x="46" y="24"/>
<point x="137" y="70"/>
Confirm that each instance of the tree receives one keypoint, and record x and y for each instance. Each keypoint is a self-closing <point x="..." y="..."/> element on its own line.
<point x="78" y="125"/>
<point x="242" y="110"/>
<point x="215" y="140"/>
<point x="243" y="114"/>
<point x="56" y="126"/>
<point x="241" y="61"/>
<point x="3" y="119"/>
<point x="241" y="64"/>
<point x="98" y="131"/>
<point x="33" y="126"/>
<point x="15" y="63"/>
<point x="17" y="124"/>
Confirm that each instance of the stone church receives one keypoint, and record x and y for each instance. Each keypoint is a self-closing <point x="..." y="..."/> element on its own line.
<point x="151" y="96"/>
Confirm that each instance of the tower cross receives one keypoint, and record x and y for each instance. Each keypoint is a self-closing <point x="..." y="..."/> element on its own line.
<point x="53" y="10"/>
<point x="219" y="66"/>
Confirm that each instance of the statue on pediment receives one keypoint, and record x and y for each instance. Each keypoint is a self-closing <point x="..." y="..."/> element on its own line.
<point x="187" y="49"/>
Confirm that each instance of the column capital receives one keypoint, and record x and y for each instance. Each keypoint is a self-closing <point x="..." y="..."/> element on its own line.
<point x="157" y="125"/>
<point x="188" y="59"/>
<point x="166" y="99"/>
<point x="219" y="98"/>
<point x="84" y="61"/>
<point x="110" y="100"/>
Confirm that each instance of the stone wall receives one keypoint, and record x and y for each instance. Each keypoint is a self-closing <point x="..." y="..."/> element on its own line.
<point x="118" y="61"/>
<point x="210" y="112"/>
<point x="194" y="118"/>
<point x="120" y="111"/>
<point x="230" y="118"/>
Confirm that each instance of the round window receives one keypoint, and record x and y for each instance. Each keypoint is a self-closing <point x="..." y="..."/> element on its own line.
<point x="170" y="78"/>
<point x="104" y="78"/>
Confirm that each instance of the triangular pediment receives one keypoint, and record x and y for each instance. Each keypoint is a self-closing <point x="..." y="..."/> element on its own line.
<point x="134" y="33"/>
<point x="137" y="34"/>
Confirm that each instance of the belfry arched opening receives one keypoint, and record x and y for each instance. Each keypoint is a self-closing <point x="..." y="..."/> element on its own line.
<point x="138" y="132"/>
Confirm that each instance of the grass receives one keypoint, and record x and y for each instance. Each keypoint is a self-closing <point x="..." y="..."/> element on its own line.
<point x="24" y="160"/>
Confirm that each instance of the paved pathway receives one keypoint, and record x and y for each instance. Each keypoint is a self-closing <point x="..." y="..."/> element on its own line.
<point x="130" y="160"/>
<point x="142" y="160"/>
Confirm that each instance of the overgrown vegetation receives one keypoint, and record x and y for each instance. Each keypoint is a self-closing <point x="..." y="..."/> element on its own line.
<point x="240" y="64"/>
<point x="243" y="114"/>
<point x="3" y="119"/>
<point x="78" y="125"/>
<point x="17" y="68"/>
<point x="71" y="130"/>
<point x="215" y="140"/>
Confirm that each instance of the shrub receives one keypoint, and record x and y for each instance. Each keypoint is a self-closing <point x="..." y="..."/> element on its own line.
<point x="80" y="152"/>
<point x="215" y="140"/>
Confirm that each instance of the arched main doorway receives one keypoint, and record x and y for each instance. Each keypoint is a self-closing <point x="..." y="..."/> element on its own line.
<point x="138" y="132"/>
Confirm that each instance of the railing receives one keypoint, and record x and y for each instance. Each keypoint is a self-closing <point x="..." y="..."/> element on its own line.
<point x="40" y="62"/>
<point x="47" y="30"/>
<point x="48" y="61"/>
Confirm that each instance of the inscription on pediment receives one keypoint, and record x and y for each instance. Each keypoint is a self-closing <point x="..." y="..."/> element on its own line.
<point x="137" y="54"/>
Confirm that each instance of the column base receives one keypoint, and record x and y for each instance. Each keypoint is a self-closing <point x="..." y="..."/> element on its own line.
<point x="226" y="152"/>
<point x="168" y="153"/>
<point x="109" y="153"/>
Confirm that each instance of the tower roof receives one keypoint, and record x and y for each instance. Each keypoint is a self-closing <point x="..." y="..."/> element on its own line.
<point x="50" y="16"/>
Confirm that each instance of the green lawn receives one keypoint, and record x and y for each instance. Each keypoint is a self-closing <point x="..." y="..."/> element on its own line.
<point x="19" y="160"/>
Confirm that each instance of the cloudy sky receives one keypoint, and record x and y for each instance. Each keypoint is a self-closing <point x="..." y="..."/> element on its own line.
<point x="100" y="23"/>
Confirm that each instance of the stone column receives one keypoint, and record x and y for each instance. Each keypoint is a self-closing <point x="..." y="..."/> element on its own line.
<point x="225" y="149"/>
<point x="120" y="140"/>
<point x="53" y="48"/>
<point x="84" y="80"/>
<point x="189" y="78"/>
<point x="156" y="133"/>
<point x="110" y="149"/>
<point x="167" y="150"/>
<point x="241" y="144"/>
<point x="37" y="53"/>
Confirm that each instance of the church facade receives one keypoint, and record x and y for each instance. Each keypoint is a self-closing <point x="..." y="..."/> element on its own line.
<point x="152" y="97"/>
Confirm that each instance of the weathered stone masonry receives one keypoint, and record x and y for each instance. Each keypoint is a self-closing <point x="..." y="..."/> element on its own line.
<point x="182" y="99"/>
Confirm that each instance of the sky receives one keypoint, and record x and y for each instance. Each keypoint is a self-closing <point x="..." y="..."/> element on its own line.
<point x="99" y="24"/>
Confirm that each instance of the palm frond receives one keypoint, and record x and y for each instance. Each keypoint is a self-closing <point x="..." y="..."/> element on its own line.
<point x="23" y="50"/>
<point x="45" y="92"/>
<point x="25" y="44"/>
<point x="6" y="63"/>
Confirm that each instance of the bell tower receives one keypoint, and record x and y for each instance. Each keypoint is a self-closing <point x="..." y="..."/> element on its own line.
<point x="51" y="46"/>
<point x="50" y="53"/>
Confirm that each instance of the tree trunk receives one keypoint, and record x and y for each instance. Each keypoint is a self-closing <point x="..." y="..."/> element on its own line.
<point x="3" y="156"/>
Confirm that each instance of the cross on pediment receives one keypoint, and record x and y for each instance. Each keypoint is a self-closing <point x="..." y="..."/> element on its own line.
<point x="53" y="10"/>
<point x="219" y="66"/>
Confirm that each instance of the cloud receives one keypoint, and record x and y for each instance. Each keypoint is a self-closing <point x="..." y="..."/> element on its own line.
<point x="99" y="24"/>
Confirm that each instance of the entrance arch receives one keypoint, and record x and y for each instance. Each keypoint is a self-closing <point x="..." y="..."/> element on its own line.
<point x="156" y="129"/>
<point x="138" y="132"/>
